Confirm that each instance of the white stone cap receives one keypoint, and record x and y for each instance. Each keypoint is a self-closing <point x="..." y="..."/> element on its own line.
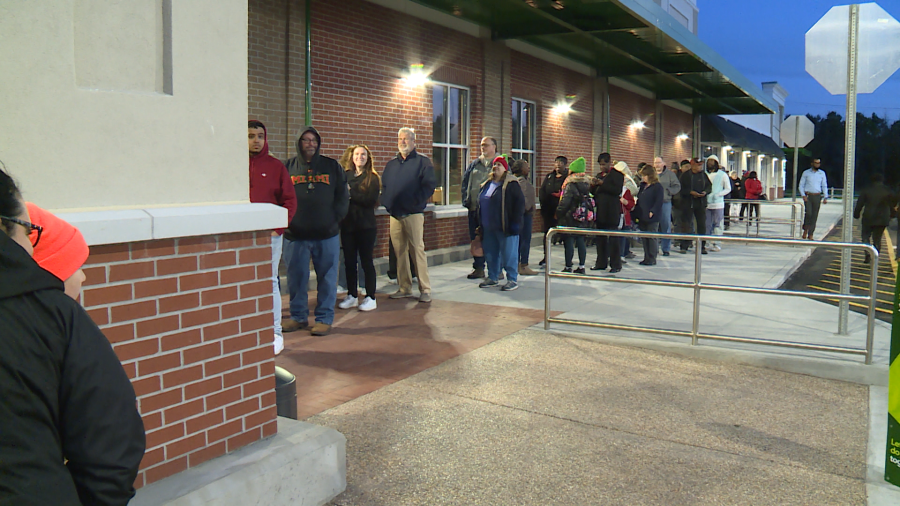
<point x="132" y="225"/>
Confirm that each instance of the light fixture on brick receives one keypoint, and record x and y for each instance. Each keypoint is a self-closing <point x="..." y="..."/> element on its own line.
<point x="637" y="125"/>
<point x="564" y="106"/>
<point x="416" y="76"/>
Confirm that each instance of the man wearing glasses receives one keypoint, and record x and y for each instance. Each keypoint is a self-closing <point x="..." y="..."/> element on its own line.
<point x="813" y="188"/>
<point x="476" y="174"/>
<point x="323" y="199"/>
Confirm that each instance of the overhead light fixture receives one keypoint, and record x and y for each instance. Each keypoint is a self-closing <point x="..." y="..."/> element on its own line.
<point x="417" y="76"/>
<point x="682" y="137"/>
<point x="747" y="153"/>
<point x="637" y="124"/>
<point x="727" y="147"/>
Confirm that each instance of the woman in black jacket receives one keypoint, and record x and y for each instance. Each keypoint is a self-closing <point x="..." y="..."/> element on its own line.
<point x="70" y="432"/>
<point x="358" y="230"/>
<point x="576" y="187"/>
<point x="649" y="207"/>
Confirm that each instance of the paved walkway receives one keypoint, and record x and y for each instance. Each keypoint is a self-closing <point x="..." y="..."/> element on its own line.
<point x="538" y="418"/>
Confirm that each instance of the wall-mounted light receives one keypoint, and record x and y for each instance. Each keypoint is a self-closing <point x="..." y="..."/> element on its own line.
<point x="762" y="156"/>
<point x="416" y="76"/>
<point x="747" y="153"/>
<point x="637" y="124"/>
<point x="562" y="107"/>
<point x="727" y="147"/>
<point x="682" y="137"/>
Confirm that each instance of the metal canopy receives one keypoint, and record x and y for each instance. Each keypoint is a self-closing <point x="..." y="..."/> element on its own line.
<point x="634" y="40"/>
<point x="715" y="129"/>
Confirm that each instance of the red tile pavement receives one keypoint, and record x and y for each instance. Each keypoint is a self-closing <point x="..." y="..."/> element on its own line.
<point x="368" y="350"/>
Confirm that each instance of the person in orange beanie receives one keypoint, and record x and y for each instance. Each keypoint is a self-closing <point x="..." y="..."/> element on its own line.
<point x="59" y="249"/>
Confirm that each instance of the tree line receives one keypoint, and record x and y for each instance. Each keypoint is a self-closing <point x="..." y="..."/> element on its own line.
<point x="877" y="149"/>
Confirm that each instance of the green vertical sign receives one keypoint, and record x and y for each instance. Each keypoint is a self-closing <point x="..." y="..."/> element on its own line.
<point x="892" y="459"/>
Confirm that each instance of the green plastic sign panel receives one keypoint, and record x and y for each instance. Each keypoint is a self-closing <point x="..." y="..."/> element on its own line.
<point x="892" y="458"/>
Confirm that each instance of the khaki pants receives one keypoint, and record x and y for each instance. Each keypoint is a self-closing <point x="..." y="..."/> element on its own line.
<point x="407" y="233"/>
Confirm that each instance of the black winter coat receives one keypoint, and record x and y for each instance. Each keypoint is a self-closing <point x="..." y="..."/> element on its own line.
<point x="361" y="215"/>
<point x="606" y="195"/>
<point x="699" y="183"/>
<point x="549" y="203"/>
<point x="577" y="186"/>
<point x="63" y="395"/>
<point x="650" y="200"/>
<point x="875" y="204"/>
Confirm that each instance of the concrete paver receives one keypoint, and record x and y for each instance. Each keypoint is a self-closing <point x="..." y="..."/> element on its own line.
<point x="538" y="419"/>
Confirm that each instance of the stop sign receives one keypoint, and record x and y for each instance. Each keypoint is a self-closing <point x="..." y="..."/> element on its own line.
<point x="799" y="125"/>
<point x="879" y="48"/>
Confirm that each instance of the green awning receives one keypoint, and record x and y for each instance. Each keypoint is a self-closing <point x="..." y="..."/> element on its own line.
<point x="633" y="40"/>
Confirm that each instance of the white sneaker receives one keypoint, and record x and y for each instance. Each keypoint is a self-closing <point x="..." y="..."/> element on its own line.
<point x="715" y="247"/>
<point x="279" y="344"/>
<point x="348" y="302"/>
<point x="341" y="290"/>
<point x="367" y="304"/>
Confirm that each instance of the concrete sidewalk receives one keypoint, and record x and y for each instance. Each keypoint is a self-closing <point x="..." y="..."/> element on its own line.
<point x="566" y="417"/>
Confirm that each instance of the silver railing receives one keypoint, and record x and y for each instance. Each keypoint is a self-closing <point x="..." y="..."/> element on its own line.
<point x="796" y="220"/>
<point x="697" y="286"/>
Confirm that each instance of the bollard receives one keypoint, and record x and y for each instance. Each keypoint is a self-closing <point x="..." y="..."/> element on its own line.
<point x="285" y="393"/>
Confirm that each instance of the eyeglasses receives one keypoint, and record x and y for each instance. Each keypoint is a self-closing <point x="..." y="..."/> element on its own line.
<point x="32" y="228"/>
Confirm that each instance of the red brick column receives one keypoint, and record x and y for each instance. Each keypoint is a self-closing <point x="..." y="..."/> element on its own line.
<point x="191" y="321"/>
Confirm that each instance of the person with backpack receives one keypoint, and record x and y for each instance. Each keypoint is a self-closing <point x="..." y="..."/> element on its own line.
<point x="576" y="209"/>
<point x="501" y="207"/>
<point x="607" y="192"/>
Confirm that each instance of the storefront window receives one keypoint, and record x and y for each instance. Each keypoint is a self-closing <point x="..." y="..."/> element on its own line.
<point x="450" y="115"/>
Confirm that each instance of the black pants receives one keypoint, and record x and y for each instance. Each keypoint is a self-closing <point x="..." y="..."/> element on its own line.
<point x="570" y="241"/>
<point x="749" y="209"/>
<point x="359" y="242"/>
<point x="650" y="244"/>
<point x="392" y="262"/>
<point x="813" y="203"/>
<point x="477" y="262"/>
<point x="548" y="222"/>
<point x="608" y="251"/>
<point x="688" y="216"/>
<point x="872" y="235"/>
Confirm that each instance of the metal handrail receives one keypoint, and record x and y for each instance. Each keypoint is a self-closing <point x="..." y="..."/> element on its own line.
<point x="698" y="286"/>
<point x="797" y="210"/>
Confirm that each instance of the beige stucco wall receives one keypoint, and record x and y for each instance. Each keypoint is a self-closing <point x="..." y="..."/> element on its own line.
<point x="93" y="119"/>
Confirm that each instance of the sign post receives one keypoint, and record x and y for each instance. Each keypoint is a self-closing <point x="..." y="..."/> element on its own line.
<point x="796" y="132"/>
<point x="852" y="49"/>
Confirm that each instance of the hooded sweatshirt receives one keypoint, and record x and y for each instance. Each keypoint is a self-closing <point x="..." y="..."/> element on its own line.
<point x="322" y="194"/>
<point x="64" y="396"/>
<point x="270" y="182"/>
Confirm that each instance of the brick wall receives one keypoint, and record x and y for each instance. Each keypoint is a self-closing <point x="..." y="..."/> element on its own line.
<point x="626" y="143"/>
<point x="569" y="135"/>
<point x="191" y="321"/>
<point x="676" y="122"/>
<point x="275" y="48"/>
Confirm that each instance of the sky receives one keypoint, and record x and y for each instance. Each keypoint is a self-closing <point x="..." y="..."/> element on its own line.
<point x="765" y="41"/>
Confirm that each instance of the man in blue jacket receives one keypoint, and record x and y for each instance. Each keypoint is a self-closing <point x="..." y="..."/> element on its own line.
<point x="407" y="185"/>
<point x="314" y="232"/>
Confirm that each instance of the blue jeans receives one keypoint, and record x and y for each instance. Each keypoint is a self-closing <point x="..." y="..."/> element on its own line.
<point x="665" y="225"/>
<point x="525" y="238"/>
<point x="501" y="251"/>
<point x="477" y="262"/>
<point x="325" y="254"/>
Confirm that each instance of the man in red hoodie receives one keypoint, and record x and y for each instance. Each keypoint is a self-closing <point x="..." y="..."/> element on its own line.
<point x="270" y="184"/>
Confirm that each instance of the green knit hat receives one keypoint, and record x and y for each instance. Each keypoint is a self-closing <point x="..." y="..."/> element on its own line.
<point x="578" y="166"/>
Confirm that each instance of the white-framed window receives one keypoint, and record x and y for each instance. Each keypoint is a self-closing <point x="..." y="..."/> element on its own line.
<point x="450" y="107"/>
<point x="524" y="141"/>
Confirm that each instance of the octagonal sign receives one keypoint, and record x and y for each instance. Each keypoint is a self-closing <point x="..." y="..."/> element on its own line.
<point x="878" y="48"/>
<point x="800" y="125"/>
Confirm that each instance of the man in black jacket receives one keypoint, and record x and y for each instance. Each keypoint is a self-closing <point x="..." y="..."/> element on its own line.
<point x="695" y="186"/>
<point x="875" y="205"/>
<point x="322" y="202"/>
<point x="407" y="185"/>
<point x="70" y="432"/>
<point x="549" y="195"/>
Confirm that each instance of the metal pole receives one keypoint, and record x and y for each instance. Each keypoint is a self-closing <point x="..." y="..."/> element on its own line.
<point x="695" y="326"/>
<point x="870" y="320"/>
<point x="547" y="279"/>
<point x="796" y="155"/>
<point x="307" y="110"/>
<point x="849" y="165"/>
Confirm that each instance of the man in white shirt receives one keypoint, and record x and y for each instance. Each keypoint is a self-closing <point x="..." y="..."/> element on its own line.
<point x="813" y="188"/>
